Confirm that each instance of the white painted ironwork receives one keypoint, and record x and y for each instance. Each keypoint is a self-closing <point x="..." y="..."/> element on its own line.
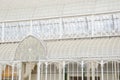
<point x="46" y="70"/>
<point x="13" y="71"/>
<point x="38" y="70"/>
<point x="1" y="70"/>
<point x="20" y="71"/>
<point x="102" y="75"/>
<point x="62" y="28"/>
<point x="82" y="67"/>
<point x="63" y="74"/>
<point x="29" y="71"/>
<point x="2" y="34"/>
<point x="73" y="70"/>
<point x="32" y="48"/>
<point x="1" y="31"/>
<point x="60" y="71"/>
<point x="92" y="54"/>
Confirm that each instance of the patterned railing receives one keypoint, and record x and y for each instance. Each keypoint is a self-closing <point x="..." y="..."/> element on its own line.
<point x="60" y="28"/>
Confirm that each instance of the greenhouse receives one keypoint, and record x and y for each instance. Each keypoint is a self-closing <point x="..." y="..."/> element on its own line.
<point x="60" y="40"/>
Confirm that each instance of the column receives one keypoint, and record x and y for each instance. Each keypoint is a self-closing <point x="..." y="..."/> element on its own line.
<point x="38" y="70"/>
<point x="4" y="72"/>
<point x="93" y="71"/>
<point x="30" y="71"/>
<point x="102" y="70"/>
<point x="60" y="70"/>
<point x="20" y="71"/>
<point x="115" y="70"/>
<point x="88" y="71"/>
<point x="13" y="67"/>
<point x="1" y="72"/>
<point x="46" y="65"/>
<point x="82" y="66"/>
<point x="63" y="70"/>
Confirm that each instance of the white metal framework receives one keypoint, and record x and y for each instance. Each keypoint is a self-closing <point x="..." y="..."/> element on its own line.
<point x="31" y="62"/>
<point x="60" y="28"/>
<point x="44" y="50"/>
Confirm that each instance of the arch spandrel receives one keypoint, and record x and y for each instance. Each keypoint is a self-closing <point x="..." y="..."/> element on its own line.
<point x="30" y="49"/>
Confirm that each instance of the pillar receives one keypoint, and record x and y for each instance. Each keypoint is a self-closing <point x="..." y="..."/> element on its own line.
<point x="60" y="71"/>
<point x="20" y="71"/>
<point x="46" y="65"/>
<point x="102" y="76"/>
<point x="88" y="71"/>
<point x="30" y="71"/>
<point x="1" y="72"/>
<point x="38" y="70"/>
<point x="63" y="65"/>
<point x="13" y="67"/>
<point x="93" y="71"/>
<point x="82" y="66"/>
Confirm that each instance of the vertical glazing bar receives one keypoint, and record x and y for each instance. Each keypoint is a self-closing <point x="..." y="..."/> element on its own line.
<point x="102" y="70"/>
<point x="13" y="67"/>
<point x="86" y="20"/>
<point x="82" y="66"/>
<point x="113" y="22"/>
<point x="61" y="27"/>
<point x="92" y="27"/>
<point x="31" y="27"/>
<point x="3" y="31"/>
<point x="38" y="70"/>
<point x="102" y="25"/>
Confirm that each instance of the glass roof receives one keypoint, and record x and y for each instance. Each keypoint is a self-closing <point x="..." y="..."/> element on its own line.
<point x="62" y="28"/>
